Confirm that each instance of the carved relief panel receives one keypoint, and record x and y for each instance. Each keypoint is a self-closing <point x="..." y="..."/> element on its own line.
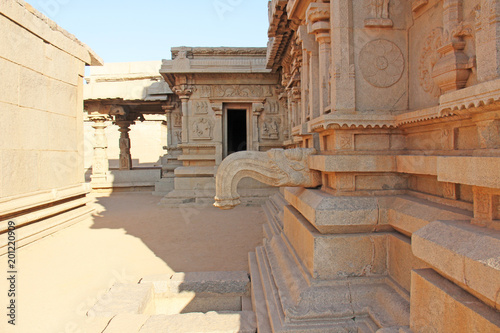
<point x="201" y="129"/>
<point x="381" y="63"/>
<point x="270" y="128"/>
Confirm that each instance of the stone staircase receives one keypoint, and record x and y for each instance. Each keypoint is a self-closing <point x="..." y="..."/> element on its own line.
<point x="180" y="303"/>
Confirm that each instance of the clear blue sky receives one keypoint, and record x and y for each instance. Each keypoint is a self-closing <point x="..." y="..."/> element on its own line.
<point x="140" y="30"/>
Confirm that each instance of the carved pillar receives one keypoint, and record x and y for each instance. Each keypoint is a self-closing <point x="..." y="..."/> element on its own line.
<point x="219" y="151"/>
<point x="343" y="81"/>
<point x="100" y="164"/>
<point x="125" y="156"/>
<point x="297" y="105"/>
<point x="257" y="109"/>
<point x="318" y="15"/>
<point x="453" y="69"/>
<point x="488" y="40"/>
<point x="310" y="73"/>
<point x="184" y="92"/>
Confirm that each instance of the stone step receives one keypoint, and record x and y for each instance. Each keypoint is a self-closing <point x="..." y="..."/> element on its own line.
<point x="258" y="296"/>
<point x="211" y="322"/>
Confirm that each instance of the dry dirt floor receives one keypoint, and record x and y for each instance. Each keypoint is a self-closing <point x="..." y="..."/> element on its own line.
<point x="60" y="277"/>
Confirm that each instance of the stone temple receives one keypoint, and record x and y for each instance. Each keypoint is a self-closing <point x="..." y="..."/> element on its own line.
<point x="369" y="131"/>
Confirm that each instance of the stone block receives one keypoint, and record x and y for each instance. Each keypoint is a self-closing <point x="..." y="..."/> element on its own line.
<point x="9" y="89"/>
<point x="20" y="172"/>
<point x="401" y="261"/>
<point x="466" y="254"/>
<point x="56" y="169"/>
<point x="9" y="133"/>
<point x="62" y="98"/>
<point x="229" y="322"/>
<point x="14" y="39"/>
<point x="211" y="283"/>
<point x="33" y="89"/>
<point x="61" y="132"/>
<point x="352" y="163"/>
<point x="422" y="165"/>
<point x="60" y="65"/>
<point x="437" y="305"/>
<point x="476" y="171"/>
<point x="331" y="214"/>
<point x="122" y="299"/>
<point x="126" y="323"/>
<point x="195" y="183"/>
<point x="335" y="256"/>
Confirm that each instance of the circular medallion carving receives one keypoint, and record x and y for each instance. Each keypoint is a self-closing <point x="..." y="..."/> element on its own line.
<point x="382" y="63"/>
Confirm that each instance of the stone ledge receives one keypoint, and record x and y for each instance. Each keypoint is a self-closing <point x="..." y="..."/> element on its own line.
<point x="331" y="214"/>
<point x="476" y="171"/>
<point x="434" y="298"/>
<point x="22" y="202"/>
<point x="353" y="163"/>
<point x="466" y="254"/>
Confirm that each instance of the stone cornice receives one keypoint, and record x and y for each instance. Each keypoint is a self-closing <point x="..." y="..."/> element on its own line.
<point x="194" y="52"/>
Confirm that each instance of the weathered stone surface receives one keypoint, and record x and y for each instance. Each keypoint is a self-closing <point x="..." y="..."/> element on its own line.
<point x="468" y="255"/>
<point x="439" y="305"/>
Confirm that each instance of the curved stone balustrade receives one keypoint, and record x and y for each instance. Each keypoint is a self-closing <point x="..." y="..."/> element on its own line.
<point x="277" y="167"/>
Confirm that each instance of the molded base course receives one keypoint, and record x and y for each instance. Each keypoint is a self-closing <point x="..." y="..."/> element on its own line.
<point x="333" y="256"/>
<point x="294" y="305"/>
<point x="434" y="299"/>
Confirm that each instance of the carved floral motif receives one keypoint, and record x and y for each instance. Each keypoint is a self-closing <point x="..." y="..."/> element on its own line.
<point x="382" y="63"/>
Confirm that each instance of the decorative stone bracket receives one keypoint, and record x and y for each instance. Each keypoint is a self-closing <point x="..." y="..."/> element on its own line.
<point x="277" y="167"/>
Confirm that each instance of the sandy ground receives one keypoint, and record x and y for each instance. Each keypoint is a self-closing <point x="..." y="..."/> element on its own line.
<point x="62" y="276"/>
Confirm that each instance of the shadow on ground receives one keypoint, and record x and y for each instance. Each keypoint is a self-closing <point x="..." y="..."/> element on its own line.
<point x="186" y="239"/>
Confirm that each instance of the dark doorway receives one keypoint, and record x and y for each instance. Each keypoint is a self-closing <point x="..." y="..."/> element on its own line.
<point x="236" y="130"/>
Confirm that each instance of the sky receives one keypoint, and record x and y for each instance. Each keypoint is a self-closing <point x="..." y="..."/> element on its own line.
<point x="143" y="30"/>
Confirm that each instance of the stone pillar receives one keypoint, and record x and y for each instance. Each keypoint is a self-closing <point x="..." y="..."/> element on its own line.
<point x="184" y="92"/>
<point x="257" y="109"/>
<point x="168" y="112"/>
<point x="309" y="73"/>
<point x="100" y="164"/>
<point x="343" y="81"/>
<point x="125" y="156"/>
<point x="488" y="40"/>
<point x="217" y="108"/>
<point x="318" y="16"/>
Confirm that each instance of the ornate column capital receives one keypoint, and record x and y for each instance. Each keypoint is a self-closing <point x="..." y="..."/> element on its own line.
<point x="318" y="19"/>
<point x="183" y="91"/>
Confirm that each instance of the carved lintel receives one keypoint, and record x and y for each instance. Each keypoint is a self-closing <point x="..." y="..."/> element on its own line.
<point x="276" y="167"/>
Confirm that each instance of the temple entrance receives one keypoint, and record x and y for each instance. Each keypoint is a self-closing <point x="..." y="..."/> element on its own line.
<point x="236" y="131"/>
